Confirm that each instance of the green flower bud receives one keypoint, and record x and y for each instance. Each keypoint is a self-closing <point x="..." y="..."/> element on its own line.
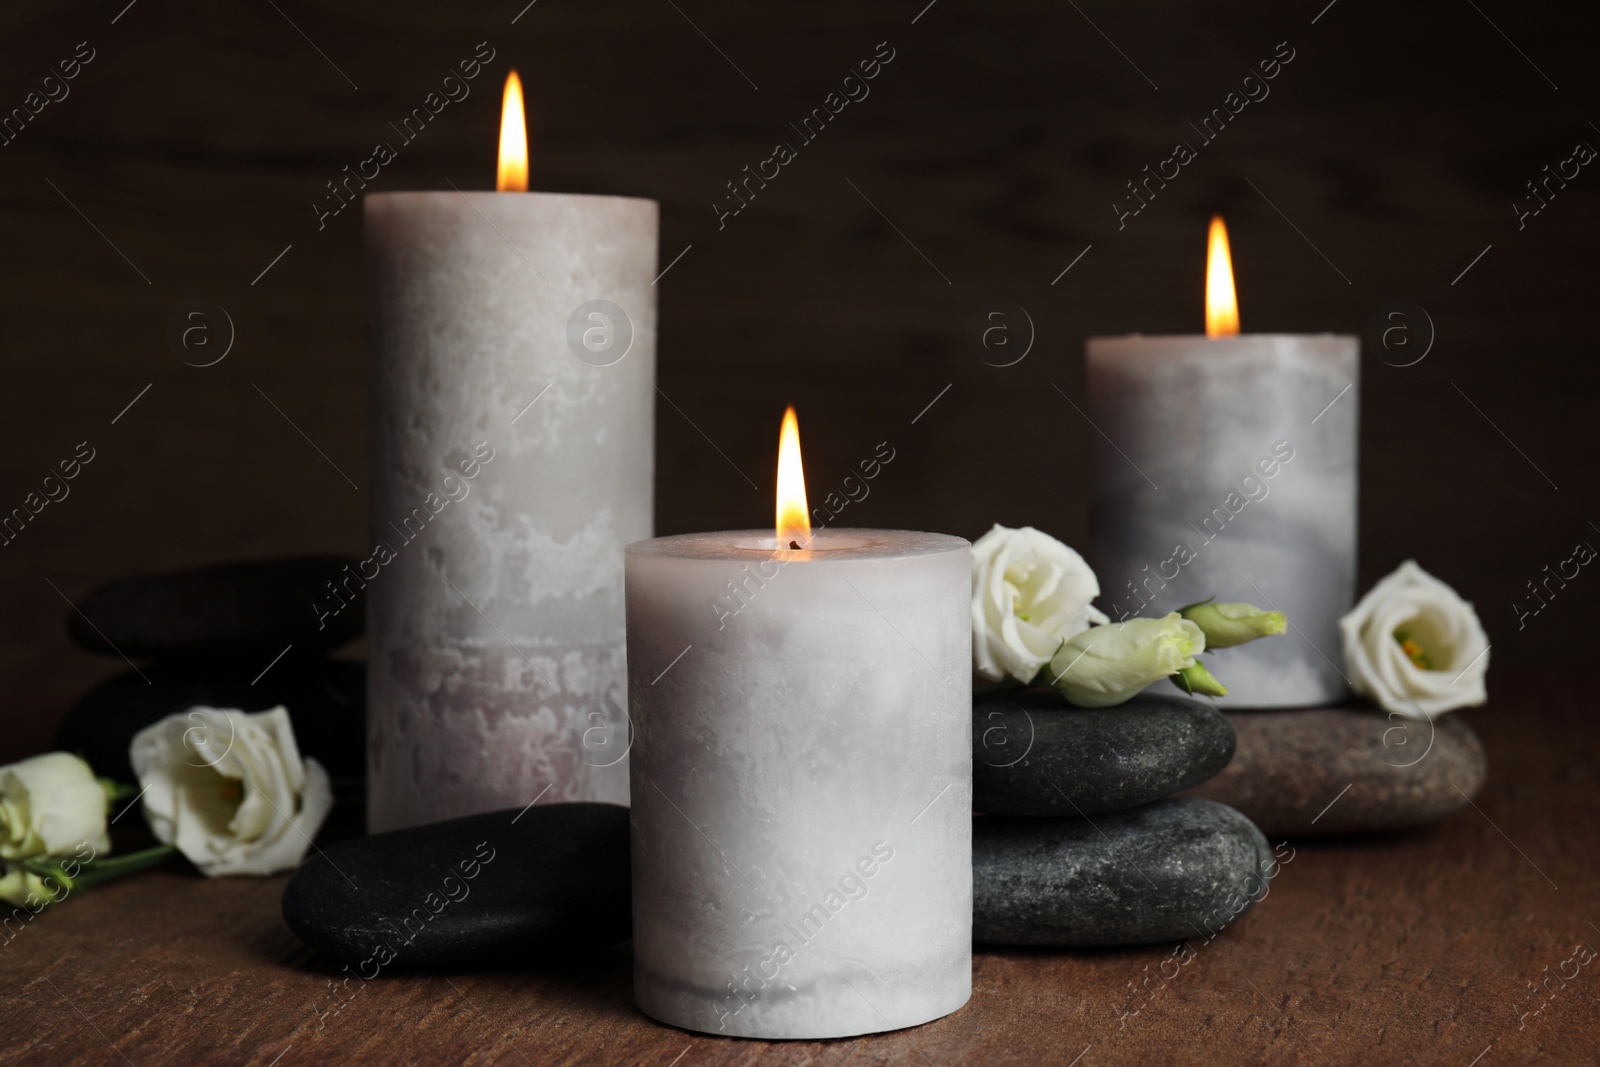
<point x="1197" y="680"/>
<point x="24" y="888"/>
<point x="1107" y="665"/>
<point x="1226" y="625"/>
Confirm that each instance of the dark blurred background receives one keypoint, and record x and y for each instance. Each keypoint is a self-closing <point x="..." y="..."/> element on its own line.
<point x="190" y="149"/>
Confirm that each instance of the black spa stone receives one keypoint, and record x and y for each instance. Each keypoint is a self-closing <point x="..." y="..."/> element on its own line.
<point x="1038" y="755"/>
<point x="246" y="610"/>
<point x="326" y="699"/>
<point x="505" y="885"/>
<point x="1168" y="871"/>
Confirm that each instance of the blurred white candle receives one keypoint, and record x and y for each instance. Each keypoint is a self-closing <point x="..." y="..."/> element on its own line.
<point x="496" y="665"/>
<point x="802" y="776"/>
<point x="1226" y="466"/>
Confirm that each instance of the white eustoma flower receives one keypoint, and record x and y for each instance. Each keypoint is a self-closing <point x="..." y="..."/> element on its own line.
<point x="230" y="789"/>
<point x="49" y="805"/>
<point x="1415" y="647"/>
<point x="1111" y="664"/>
<point x="1030" y="592"/>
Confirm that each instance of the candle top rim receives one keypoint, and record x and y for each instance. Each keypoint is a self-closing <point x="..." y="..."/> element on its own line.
<point x="532" y="194"/>
<point x="755" y="544"/>
<point x="1242" y="338"/>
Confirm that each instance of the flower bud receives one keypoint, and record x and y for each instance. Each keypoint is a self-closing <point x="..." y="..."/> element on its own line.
<point x="1226" y="625"/>
<point x="1197" y="680"/>
<point x="24" y="888"/>
<point x="1107" y="665"/>
<point x="50" y="804"/>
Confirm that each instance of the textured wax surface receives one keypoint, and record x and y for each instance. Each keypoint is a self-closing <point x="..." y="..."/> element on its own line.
<point x="496" y="630"/>
<point x="751" y="546"/>
<point x="802" y="789"/>
<point x="1187" y="424"/>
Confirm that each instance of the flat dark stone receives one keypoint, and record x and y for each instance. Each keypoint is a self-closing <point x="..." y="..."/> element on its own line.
<point x="251" y="609"/>
<point x="1348" y="770"/>
<point x="1038" y="755"/>
<point x="504" y="885"/>
<point x="1168" y="871"/>
<point x="327" y="701"/>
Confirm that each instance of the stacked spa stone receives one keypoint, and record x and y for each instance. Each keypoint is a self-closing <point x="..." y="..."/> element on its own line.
<point x="1078" y="838"/>
<point x="249" y="636"/>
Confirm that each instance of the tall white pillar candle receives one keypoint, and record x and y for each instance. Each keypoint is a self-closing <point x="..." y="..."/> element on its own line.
<point x="802" y="781"/>
<point x="511" y="412"/>
<point x="1227" y="467"/>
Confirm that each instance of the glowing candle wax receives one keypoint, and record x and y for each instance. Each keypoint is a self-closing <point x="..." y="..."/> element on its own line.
<point x="511" y="410"/>
<point x="1226" y="466"/>
<point x="802" y="776"/>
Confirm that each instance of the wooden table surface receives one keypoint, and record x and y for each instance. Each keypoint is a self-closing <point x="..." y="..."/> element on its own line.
<point x="1418" y="948"/>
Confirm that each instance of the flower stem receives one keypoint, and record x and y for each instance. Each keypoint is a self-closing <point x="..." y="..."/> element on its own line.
<point x="96" y="871"/>
<point x="116" y="790"/>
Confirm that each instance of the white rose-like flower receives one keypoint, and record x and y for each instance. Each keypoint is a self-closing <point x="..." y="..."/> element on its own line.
<point x="50" y="805"/>
<point x="230" y="789"/>
<point x="1414" y="646"/>
<point x="1030" y="593"/>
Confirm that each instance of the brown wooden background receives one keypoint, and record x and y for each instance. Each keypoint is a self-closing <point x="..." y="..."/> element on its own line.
<point x="1395" y="142"/>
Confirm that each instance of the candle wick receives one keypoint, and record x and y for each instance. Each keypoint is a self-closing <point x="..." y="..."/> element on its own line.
<point x="795" y="545"/>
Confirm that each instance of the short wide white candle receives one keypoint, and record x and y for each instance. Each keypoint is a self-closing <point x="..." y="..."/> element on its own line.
<point x="801" y="780"/>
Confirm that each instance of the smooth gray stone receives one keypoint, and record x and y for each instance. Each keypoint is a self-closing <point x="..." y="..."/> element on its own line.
<point x="1038" y="755"/>
<point x="250" y="610"/>
<point x="503" y="885"/>
<point x="1350" y="770"/>
<point x="1167" y="871"/>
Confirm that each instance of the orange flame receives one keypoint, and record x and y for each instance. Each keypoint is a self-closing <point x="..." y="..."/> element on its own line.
<point x="794" y="520"/>
<point x="513" y="173"/>
<point x="1222" y="305"/>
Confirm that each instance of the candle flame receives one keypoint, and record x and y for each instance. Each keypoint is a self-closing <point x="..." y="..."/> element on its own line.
<point x="794" y="520"/>
<point x="513" y="174"/>
<point x="1222" y="305"/>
